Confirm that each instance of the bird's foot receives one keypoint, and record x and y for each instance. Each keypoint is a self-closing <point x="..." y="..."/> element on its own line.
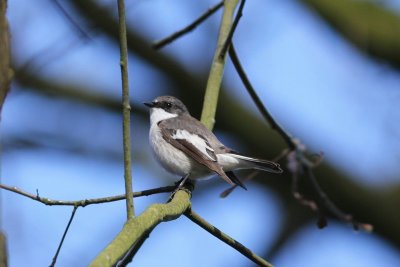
<point x="183" y="184"/>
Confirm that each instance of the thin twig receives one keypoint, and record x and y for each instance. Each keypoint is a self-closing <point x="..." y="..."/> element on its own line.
<point x="53" y="263"/>
<point x="72" y="21"/>
<point x="86" y="202"/>
<point x="194" y="217"/>
<point x="126" y="110"/>
<point x="311" y="204"/>
<point x="161" y="43"/>
<point x="297" y="160"/>
<point x="332" y="207"/>
<point x="263" y="110"/>
<point x="228" y="40"/>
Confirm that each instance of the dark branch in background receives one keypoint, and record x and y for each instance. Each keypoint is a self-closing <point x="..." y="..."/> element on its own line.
<point x="194" y="217"/>
<point x="297" y="160"/>
<point x="71" y="20"/>
<point x="6" y="75"/>
<point x="161" y="43"/>
<point x="55" y="51"/>
<point x="370" y="25"/>
<point x="53" y="263"/>
<point x="326" y="202"/>
<point x="86" y="202"/>
<point x="228" y="40"/>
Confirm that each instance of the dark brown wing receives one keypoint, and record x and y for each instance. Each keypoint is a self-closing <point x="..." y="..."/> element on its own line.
<point x="190" y="150"/>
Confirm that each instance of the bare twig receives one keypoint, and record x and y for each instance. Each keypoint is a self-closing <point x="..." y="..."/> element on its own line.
<point x="297" y="160"/>
<point x="228" y="40"/>
<point x="86" y="202"/>
<point x="194" y="217"/>
<point x="263" y="110"/>
<point x="161" y="43"/>
<point x="126" y="110"/>
<point x="53" y="262"/>
<point x="332" y="207"/>
<point x="295" y="167"/>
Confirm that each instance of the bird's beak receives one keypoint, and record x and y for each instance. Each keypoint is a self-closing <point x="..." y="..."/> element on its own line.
<point x="150" y="105"/>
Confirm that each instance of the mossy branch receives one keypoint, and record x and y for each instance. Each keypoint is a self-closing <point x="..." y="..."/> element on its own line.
<point x="135" y="229"/>
<point x="217" y="67"/>
<point x="141" y="225"/>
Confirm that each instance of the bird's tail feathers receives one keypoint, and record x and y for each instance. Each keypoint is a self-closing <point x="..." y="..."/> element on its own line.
<point x="261" y="164"/>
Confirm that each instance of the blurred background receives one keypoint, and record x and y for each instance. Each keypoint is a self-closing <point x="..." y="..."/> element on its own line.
<point x="327" y="70"/>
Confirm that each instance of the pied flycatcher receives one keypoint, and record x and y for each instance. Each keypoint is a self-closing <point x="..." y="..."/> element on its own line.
<point x="184" y="146"/>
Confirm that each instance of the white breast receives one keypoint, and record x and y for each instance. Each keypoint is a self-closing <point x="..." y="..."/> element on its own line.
<point x="158" y="114"/>
<point x="172" y="159"/>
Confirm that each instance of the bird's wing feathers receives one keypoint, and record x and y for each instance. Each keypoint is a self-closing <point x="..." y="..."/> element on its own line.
<point x="199" y="149"/>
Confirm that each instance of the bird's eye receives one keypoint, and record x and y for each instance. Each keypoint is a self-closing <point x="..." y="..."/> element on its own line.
<point x="168" y="104"/>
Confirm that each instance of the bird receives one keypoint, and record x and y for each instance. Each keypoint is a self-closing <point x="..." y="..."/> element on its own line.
<point x="186" y="147"/>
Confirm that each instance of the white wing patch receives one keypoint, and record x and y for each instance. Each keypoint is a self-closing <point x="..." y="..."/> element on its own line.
<point x="200" y="143"/>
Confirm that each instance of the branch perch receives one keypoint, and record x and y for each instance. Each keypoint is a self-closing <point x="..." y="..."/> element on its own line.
<point x="142" y="225"/>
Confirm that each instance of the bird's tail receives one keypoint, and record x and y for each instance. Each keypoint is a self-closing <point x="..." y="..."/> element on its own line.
<point x="255" y="163"/>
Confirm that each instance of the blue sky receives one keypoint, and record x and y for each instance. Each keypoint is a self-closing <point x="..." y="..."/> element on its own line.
<point x="318" y="86"/>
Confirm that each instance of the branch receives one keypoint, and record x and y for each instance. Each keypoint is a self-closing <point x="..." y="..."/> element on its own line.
<point x="163" y="42"/>
<point x="6" y="75"/>
<point x="363" y="201"/>
<point x="228" y="40"/>
<point x="332" y="207"/>
<point x="261" y="108"/>
<point x="6" y="72"/>
<point x="86" y="202"/>
<point x="126" y="110"/>
<point x="77" y="27"/>
<point x="194" y="217"/>
<point x="140" y="226"/>
<point x="297" y="160"/>
<point x="53" y="263"/>
<point x="217" y="67"/>
<point x="3" y="250"/>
